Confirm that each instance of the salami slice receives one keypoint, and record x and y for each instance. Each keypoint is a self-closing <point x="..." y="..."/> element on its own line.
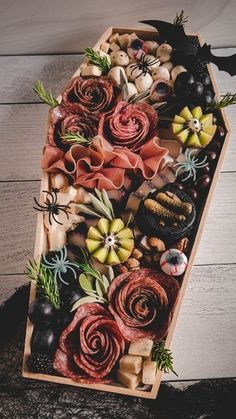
<point x="90" y="346"/>
<point x="142" y="303"/>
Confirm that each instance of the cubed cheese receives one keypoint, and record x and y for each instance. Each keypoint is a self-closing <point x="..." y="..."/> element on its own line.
<point x="128" y="379"/>
<point x="149" y="372"/>
<point x="142" y="347"/>
<point x="131" y="363"/>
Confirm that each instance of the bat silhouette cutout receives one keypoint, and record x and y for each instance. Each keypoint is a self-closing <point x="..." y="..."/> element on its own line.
<point x="189" y="53"/>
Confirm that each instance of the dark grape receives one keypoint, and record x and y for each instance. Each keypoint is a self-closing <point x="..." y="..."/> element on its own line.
<point x="203" y="182"/>
<point x="44" y="340"/>
<point x="182" y="80"/>
<point x="193" y="194"/>
<point x="207" y="97"/>
<point x="204" y="78"/>
<point x="42" y="312"/>
<point x="196" y="91"/>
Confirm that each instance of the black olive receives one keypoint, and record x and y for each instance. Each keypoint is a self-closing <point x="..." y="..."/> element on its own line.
<point x="44" y="340"/>
<point x="207" y="97"/>
<point x="196" y="91"/>
<point x="66" y="319"/>
<point x="42" y="312"/>
<point x="182" y="79"/>
<point x="204" y="78"/>
<point x="71" y="295"/>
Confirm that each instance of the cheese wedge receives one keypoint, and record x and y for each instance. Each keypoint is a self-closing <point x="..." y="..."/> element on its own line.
<point x="142" y="347"/>
<point x="131" y="363"/>
<point x="128" y="379"/>
<point x="149" y="372"/>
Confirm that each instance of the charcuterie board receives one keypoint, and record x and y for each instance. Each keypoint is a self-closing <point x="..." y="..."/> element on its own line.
<point x="134" y="147"/>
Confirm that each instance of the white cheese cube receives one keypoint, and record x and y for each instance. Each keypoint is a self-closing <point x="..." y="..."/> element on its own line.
<point x="105" y="46"/>
<point x="128" y="379"/>
<point x="131" y="363"/>
<point x="149" y="372"/>
<point x="142" y="347"/>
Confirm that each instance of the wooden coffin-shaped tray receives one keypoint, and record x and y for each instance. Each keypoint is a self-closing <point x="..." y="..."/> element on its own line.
<point x="41" y="239"/>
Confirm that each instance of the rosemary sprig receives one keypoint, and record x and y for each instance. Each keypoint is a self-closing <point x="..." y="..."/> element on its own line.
<point x="95" y="58"/>
<point x="100" y="205"/>
<point x="163" y="357"/>
<point x="45" y="96"/>
<point x="227" y="100"/>
<point x="180" y="19"/>
<point x="75" y="138"/>
<point x="45" y="283"/>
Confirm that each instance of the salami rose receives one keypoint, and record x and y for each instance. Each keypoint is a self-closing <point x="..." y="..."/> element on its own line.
<point x="142" y="303"/>
<point x="90" y="346"/>
<point x="95" y="94"/>
<point x="69" y="121"/>
<point x="129" y="125"/>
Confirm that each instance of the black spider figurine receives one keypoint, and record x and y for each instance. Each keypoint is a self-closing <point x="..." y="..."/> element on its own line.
<point x="52" y="207"/>
<point x="143" y="65"/>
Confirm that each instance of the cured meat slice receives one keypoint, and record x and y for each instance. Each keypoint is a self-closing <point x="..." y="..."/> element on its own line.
<point x="90" y="346"/>
<point x="129" y="125"/>
<point x="71" y="120"/>
<point x="94" y="94"/>
<point x="142" y="303"/>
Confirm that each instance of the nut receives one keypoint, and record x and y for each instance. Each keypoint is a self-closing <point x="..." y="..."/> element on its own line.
<point x="137" y="254"/>
<point x="132" y="264"/>
<point x="157" y="244"/>
<point x="182" y="244"/>
<point x="122" y="269"/>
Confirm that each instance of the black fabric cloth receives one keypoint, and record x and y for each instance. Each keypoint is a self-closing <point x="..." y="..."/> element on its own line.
<point x="25" y="398"/>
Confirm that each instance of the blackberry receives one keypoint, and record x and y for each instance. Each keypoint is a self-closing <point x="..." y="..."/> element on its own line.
<point x="40" y="363"/>
<point x="199" y="68"/>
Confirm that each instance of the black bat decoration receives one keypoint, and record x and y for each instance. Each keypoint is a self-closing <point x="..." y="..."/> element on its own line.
<point x="187" y="53"/>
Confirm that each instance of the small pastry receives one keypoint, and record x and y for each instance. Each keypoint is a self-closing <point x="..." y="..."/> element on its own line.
<point x="114" y="47"/>
<point x="132" y="71"/>
<point x="160" y="73"/>
<point x="164" y="52"/>
<point x="143" y="82"/>
<point x="114" y="37"/>
<point x="123" y="40"/>
<point x="176" y="71"/>
<point x="173" y="262"/>
<point x="151" y="46"/>
<point x="115" y="74"/>
<point x="120" y="58"/>
<point x="169" y="65"/>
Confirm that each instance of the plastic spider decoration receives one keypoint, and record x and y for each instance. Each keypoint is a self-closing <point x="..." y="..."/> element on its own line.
<point x="144" y="65"/>
<point x="60" y="265"/>
<point x="190" y="165"/>
<point x="52" y="207"/>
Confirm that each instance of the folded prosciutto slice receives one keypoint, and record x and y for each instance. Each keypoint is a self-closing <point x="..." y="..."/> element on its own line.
<point x="142" y="303"/>
<point x="90" y="346"/>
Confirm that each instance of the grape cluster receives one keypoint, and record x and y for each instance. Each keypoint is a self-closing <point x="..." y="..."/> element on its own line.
<point x="192" y="90"/>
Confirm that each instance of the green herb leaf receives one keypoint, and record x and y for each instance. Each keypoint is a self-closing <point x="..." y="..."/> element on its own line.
<point x="95" y="58"/>
<point x="163" y="357"/>
<point x="85" y="282"/>
<point x="180" y="19"/>
<point x="100" y="206"/>
<point x="76" y="138"/>
<point x="83" y="300"/>
<point x="45" y="96"/>
<point x="227" y="100"/>
<point x="45" y="283"/>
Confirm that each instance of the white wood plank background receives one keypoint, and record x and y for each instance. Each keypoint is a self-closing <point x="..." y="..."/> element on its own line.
<point x="51" y="26"/>
<point x="204" y="345"/>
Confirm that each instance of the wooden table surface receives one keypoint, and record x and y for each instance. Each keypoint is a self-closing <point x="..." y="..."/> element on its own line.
<point x="204" y="344"/>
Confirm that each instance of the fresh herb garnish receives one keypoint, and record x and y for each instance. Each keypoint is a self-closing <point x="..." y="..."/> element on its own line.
<point x="100" y="205"/>
<point x="92" y="282"/>
<point x="163" y="357"/>
<point x="227" y="100"/>
<point x="180" y="19"/>
<point x="97" y="59"/>
<point x="76" y="138"/>
<point x="45" y="284"/>
<point x="45" y="96"/>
